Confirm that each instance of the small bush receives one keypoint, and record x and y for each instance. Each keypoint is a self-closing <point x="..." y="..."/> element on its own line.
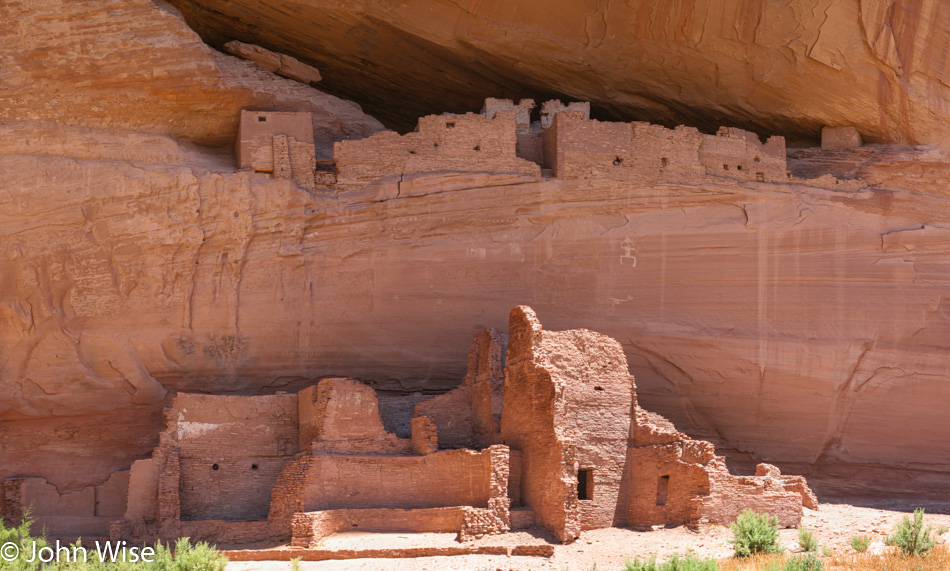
<point x="806" y="540"/>
<point x="911" y="537"/>
<point x="295" y="564"/>
<point x="755" y="533"/>
<point x="860" y="543"/>
<point x="826" y="551"/>
<point x="942" y="530"/>
<point x="808" y="562"/>
<point x="675" y="562"/>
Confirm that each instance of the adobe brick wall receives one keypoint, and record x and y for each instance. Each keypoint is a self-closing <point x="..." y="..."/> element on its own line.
<point x="469" y="416"/>
<point x="567" y="408"/>
<point x="737" y="154"/>
<point x="425" y="437"/>
<point x="341" y="416"/>
<point x="676" y="480"/>
<point x="231" y="450"/>
<point x="254" y="146"/>
<point x="522" y="110"/>
<point x="444" y="478"/>
<point x="310" y="527"/>
<point x="456" y="143"/>
<point x="576" y="147"/>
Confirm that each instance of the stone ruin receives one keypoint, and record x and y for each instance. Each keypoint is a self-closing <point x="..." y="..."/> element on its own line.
<point x="280" y="143"/>
<point x="544" y="430"/>
<point x="564" y="143"/>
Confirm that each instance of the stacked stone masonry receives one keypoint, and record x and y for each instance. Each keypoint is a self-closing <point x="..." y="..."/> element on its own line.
<point x="503" y="139"/>
<point x="551" y="435"/>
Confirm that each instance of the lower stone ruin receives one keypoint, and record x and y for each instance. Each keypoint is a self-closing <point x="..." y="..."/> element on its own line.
<point x="544" y="430"/>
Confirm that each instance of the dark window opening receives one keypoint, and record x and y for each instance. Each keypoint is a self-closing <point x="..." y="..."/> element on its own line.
<point x="585" y="484"/>
<point x="450" y="125"/>
<point x="725" y="167"/>
<point x="756" y="159"/>
<point x="664" y="162"/>
<point x="412" y="152"/>
<point x="435" y="144"/>
<point x="261" y="118"/>
<point x="214" y="466"/>
<point x="662" y="490"/>
<point x="760" y="176"/>
<point x="618" y="161"/>
<point x="478" y="147"/>
<point x="739" y="168"/>
<point x="598" y="388"/>
<point x="254" y="467"/>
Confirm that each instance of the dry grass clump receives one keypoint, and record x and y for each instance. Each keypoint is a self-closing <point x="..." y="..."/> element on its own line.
<point x="937" y="559"/>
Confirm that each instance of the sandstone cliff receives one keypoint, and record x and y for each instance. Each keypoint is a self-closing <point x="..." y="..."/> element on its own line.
<point x="773" y="67"/>
<point x="794" y="323"/>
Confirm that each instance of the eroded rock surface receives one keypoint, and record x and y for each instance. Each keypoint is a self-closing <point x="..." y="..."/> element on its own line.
<point x="775" y="67"/>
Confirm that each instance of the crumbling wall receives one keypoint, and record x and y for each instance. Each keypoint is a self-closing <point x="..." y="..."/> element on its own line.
<point x="453" y="143"/>
<point x="255" y="146"/>
<point x="486" y="517"/>
<point x="231" y="450"/>
<point x="567" y="409"/>
<point x="280" y="143"/>
<point x="740" y="155"/>
<point x="341" y="415"/>
<point x="675" y="480"/>
<point x="549" y="109"/>
<point x="469" y="416"/>
<point x="522" y="111"/>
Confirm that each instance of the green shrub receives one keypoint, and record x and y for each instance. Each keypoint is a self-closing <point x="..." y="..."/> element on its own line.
<point x="910" y="535"/>
<point x="806" y="540"/>
<point x="942" y="530"/>
<point x="807" y="562"/>
<point x="754" y="533"/>
<point x="675" y="562"/>
<point x="186" y="557"/>
<point x="826" y="551"/>
<point x="860" y="543"/>
<point x="295" y="564"/>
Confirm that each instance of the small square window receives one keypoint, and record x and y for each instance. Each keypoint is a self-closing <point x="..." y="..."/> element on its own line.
<point x="261" y="118"/>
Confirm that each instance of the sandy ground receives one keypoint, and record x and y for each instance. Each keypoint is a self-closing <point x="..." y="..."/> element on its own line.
<point x="834" y="525"/>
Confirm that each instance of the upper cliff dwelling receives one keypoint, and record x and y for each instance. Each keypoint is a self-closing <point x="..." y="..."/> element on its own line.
<point x="258" y="260"/>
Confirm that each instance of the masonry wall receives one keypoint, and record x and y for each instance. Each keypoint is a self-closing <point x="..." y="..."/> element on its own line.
<point x="256" y="131"/>
<point x="570" y="417"/>
<point x="442" y="479"/>
<point x="641" y="152"/>
<point x="231" y="451"/>
<point x="675" y="480"/>
<point x="740" y="155"/>
<point x="450" y="143"/>
<point x="469" y="416"/>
